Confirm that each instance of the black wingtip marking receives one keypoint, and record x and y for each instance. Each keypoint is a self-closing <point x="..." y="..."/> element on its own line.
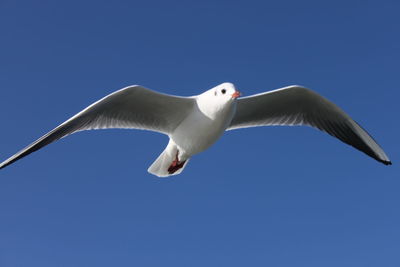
<point x="387" y="162"/>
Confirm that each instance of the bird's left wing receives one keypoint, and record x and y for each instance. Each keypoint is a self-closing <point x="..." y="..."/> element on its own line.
<point x="296" y="105"/>
<point x="131" y="107"/>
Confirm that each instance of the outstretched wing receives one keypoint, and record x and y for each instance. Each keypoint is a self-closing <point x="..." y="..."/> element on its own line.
<point x="296" y="105"/>
<point x="131" y="107"/>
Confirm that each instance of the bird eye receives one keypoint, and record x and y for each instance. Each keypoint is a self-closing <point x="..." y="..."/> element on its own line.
<point x="223" y="91"/>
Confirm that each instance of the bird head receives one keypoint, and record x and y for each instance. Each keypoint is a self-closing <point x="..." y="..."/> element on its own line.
<point x="217" y="99"/>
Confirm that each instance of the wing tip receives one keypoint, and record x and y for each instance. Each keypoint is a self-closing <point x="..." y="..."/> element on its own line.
<point x="2" y="166"/>
<point x="386" y="162"/>
<point x="5" y="163"/>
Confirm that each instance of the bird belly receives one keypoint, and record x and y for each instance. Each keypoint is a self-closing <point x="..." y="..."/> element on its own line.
<point x="196" y="133"/>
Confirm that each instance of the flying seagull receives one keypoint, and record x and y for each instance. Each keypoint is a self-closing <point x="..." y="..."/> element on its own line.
<point x="194" y="123"/>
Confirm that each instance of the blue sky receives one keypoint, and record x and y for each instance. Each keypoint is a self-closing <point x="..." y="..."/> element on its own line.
<point x="276" y="196"/>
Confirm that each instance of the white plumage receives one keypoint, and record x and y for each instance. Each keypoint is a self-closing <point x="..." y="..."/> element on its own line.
<point x="195" y="123"/>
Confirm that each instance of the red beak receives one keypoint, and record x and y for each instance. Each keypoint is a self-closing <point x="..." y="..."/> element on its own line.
<point x="236" y="94"/>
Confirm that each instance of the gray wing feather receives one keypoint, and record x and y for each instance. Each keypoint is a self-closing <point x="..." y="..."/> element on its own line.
<point x="296" y="105"/>
<point x="131" y="107"/>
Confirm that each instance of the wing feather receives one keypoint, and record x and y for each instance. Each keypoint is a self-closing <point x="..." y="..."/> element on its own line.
<point x="296" y="105"/>
<point x="131" y="107"/>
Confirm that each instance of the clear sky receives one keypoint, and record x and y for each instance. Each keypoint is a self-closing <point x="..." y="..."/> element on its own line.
<point x="276" y="196"/>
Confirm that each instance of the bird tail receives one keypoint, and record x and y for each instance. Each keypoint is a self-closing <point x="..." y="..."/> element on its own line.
<point x="167" y="164"/>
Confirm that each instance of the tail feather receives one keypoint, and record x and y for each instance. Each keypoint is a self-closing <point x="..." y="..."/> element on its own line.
<point x="162" y="166"/>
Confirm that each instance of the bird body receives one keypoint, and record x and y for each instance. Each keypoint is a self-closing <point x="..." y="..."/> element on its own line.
<point x="202" y="127"/>
<point x="205" y="123"/>
<point x="194" y="123"/>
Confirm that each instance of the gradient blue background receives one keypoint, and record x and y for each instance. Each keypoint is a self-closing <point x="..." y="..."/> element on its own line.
<point x="276" y="196"/>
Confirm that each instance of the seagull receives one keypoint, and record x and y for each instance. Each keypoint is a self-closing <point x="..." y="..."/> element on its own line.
<point x="195" y="123"/>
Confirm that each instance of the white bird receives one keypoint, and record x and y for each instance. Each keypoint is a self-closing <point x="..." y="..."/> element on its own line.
<point x="194" y="123"/>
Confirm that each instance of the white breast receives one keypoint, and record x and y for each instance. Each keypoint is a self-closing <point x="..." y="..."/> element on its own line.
<point x="197" y="132"/>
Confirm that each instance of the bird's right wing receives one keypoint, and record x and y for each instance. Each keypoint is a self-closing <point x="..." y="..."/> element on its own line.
<point x="296" y="105"/>
<point x="131" y="107"/>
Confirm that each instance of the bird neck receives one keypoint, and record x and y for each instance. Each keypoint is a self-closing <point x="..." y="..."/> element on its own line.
<point x="215" y="110"/>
